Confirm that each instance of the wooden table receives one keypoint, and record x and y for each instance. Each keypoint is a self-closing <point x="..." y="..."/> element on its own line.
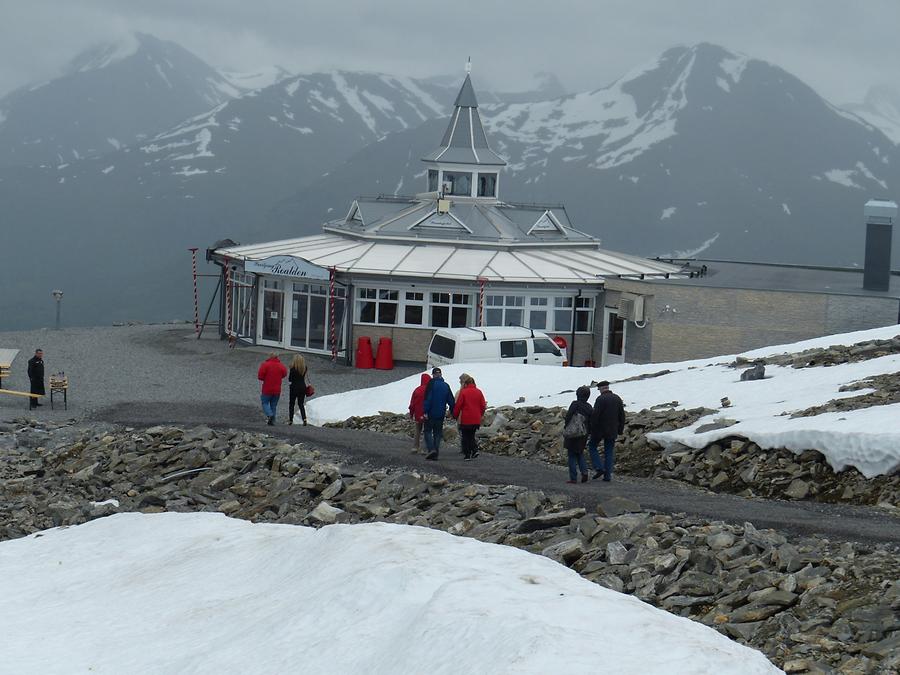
<point x="59" y="385"/>
<point x="7" y="356"/>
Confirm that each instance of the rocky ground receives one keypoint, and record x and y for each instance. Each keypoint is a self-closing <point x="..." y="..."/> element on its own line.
<point x="810" y="604"/>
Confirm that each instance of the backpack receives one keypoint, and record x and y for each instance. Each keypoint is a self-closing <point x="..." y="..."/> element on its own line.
<point x="576" y="427"/>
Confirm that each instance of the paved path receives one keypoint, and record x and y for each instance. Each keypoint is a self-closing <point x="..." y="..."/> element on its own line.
<point x="382" y="450"/>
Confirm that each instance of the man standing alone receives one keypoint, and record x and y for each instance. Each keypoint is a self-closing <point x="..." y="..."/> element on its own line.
<point x="438" y="398"/>
<point x="607" y="423"/>
<point x="271" y="373"/>
<point x="36" y="377"/>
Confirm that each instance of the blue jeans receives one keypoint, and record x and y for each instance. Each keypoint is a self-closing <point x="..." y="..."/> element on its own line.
<point x="609" y="456"/>
<point x="433" y="430"/>
<point x="269" y="403"/>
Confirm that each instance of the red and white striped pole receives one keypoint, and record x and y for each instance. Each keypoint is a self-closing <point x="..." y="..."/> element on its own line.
<point x="481" y="281"/>
<point x="228" y="328"/>
<point x="196" y="294"/>
<point x="334" y="349"/>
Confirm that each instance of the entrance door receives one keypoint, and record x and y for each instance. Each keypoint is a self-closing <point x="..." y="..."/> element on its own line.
<point x="310" y="323"/>
<point x="613" y="338"/>
<point x="272" y="318"/>
<point x="299" y="315"/>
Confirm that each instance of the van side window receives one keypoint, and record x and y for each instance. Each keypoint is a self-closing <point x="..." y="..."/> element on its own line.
<point x="513" y="349"/>
<point x="443" y="346"/>
<point x="545" y="346"/>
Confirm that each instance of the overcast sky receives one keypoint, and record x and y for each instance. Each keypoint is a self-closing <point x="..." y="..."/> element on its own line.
<point x="840" y="47"/>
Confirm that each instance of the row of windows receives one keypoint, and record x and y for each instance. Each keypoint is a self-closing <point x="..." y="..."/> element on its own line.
<point x="459" y="183"/>
<point x="437" y="309"/>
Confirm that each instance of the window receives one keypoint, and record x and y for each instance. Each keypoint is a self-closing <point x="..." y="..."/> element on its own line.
<point x="450" y="310"/>
<point x="414" y="308"/>
<point x="584" y="314"/>
<point x="443" y="346"/>
<point x="562" y="314"/>
<point x="432" y="180"/>
<point x="377" y="305"/>
<point x="504" y="310"/>
<point x="458" y="183"/>
<point x="545" y="346"/>
<point x="513" y="349"/>
<point x="487" y="185"/>
<point x="242" y="304"/>
<point x="537" y="314"/>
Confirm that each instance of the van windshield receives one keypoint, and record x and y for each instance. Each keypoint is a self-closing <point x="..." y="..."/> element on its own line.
<point x="545" y="346"/>
<point x="443" y="346"/>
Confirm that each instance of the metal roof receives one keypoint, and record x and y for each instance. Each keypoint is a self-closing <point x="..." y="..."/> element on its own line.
<point x="573" y="265"/>
<point x="464" y="141"/>
<point x="469" y="219"/>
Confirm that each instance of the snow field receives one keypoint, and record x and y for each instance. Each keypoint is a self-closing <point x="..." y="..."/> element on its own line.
<point x="868" y="438"/>
<point x="203" y="593"/>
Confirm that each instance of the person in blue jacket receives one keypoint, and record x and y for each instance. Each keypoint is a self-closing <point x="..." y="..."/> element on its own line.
<point x="438" y="399"/>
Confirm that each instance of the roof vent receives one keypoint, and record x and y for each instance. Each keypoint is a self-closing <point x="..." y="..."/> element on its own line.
<point x="880" y="216"/>
<point x="443" y="205"/>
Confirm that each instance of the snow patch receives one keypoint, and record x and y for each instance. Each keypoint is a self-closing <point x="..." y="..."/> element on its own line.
<point x="693" y="253"/>
<point x="842" y="177"/>
<point x="786" y="209"/>
<point x="159" y="70"/>
<point x="863" y="169"/>
<point x="352" y="98"/>
<point x="403" y="589"/>
<point x="114" y="142"/>
<point x="108" y="169"/>
<point x="188" y="171"/>
<point x="668" y="213"/>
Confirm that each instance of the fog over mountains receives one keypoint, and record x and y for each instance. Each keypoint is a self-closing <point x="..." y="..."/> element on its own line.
<point x="109" y="173"/>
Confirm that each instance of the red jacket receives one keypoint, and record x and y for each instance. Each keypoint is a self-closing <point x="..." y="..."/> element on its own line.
<point x="272" y="372"/>
<point x="417" y="402"/>
<point x="470" y="405"/>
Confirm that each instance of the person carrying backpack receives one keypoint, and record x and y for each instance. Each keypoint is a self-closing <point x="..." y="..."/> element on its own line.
<point x="575" y="433"/>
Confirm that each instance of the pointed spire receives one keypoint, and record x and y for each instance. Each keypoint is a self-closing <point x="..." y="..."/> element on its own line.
<point x="464" y="141"/>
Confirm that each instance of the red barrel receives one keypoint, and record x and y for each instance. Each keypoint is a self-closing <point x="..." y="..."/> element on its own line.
<point x="561" y="342"/>
<point x="364" y="352"/>
<point x="384" y="356"/>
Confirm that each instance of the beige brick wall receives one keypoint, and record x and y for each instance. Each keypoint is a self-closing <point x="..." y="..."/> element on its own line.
<point x="701" y="322"/>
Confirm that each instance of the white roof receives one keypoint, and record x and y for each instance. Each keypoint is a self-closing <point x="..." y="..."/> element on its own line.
<point x="539" y="264"/>
<point x="479" y="334"/>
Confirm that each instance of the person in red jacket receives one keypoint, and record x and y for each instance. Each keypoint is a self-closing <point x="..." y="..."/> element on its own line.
<point x="417" y="408"/>
<point x="469" y="409"/>
<point x="271" y="373"/>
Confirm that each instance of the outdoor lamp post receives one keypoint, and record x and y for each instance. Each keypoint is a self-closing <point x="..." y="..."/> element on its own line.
<point x="58" y="295"/>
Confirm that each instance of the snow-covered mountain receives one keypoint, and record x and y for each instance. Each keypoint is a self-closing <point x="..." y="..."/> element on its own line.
<point x="108" y="97"/>
<point x="701" y="150"/>
<point x="881" y="109"/>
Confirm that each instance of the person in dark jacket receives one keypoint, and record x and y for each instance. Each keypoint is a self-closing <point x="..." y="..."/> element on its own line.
<point x="607" y="423"/>
<point x="469" y="410"/>
<point x="36" y="377"/>
<point x="417" y="408"/>
<point x="438" y="398"/>
<point x="271" y="373"/>
<point x="574" y="445"/>
<point x="297" y="387"/>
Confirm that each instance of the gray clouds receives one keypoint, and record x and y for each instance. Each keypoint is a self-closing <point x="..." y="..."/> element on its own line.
<point x="840" y="47"/>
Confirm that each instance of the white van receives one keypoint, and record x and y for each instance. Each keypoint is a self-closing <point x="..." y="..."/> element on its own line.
<point x="493" y="344"/>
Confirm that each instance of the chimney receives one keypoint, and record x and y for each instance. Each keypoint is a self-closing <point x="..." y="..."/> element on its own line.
<point x="880" y="217"/>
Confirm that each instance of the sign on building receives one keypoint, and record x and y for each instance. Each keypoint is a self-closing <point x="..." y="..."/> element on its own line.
<point x="286" y="266"/>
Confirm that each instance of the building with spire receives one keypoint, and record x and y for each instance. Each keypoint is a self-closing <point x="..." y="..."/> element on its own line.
<point x="453" y="255"/>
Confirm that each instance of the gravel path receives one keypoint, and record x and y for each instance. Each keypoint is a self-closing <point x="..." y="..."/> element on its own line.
<point x="146" y="375"/>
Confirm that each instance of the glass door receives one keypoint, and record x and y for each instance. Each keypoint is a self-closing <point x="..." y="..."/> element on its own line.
<point x="318" y="316"/>
<point x="299" y="315"/>
<point x="273" y="305"/>
<point x="613" y="338"/>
